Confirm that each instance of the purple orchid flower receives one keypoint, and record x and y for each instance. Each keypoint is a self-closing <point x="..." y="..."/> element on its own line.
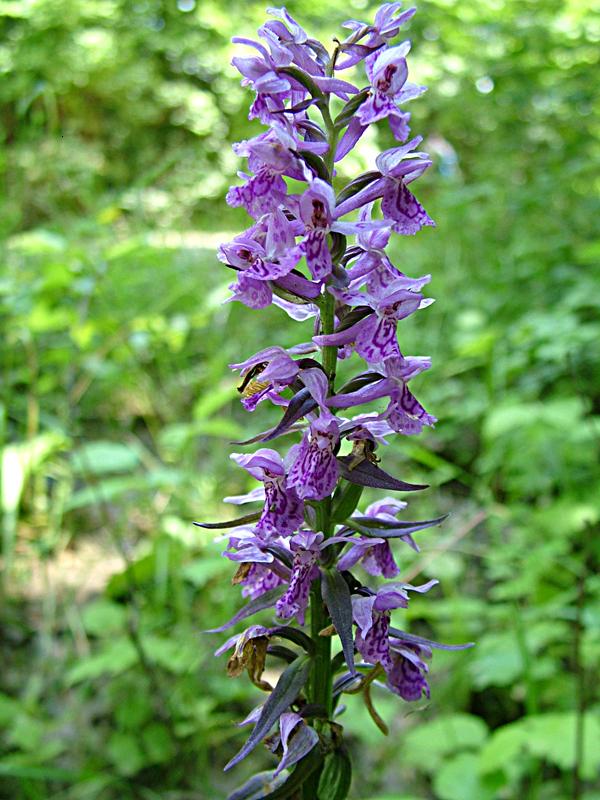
<point x="251" y="292"/>
<point x="260" y="72"/>
<point x="398" y="167"/>
<point x="385" y="27"/>
<point x="366" y="427"/>
<point x="387" y="72"/>
<point x="247" y="255"/>
<point x="372" y="617"/>
<point x="407" y="670"/>
<point x="269" y="157"/>
<point x="266" y="373"/>
<point x="247" y="546"/>
<point x="260" y="579"/>
<point x="398" y="204"/>
<point x="306" y="547"/>
<point x="283" y="512"/>
<point x="374" y="336"/>
<point x="314" y="472"/>
<point x="375" y="555"/>
<point x="372" y="268"/>
<point x="316" y="209"/>
<point x="257" y="254"/>
<point x="404" y="413"/>
<point x="308" y="54"/>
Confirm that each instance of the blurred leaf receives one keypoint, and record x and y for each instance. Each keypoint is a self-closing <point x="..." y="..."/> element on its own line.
<point x="457" y="779"/>
<point x="450" y="733"/>
<point x="114" y="658"/>
<point x="125" y="752"/>
<point x="98" y="458"/>
<point x="103" y="618"/>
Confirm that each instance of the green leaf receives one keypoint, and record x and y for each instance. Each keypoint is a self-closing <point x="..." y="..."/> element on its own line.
<point x="336" y="777"/>
<point x="288" y="687"/>
<point x="345" y="504"/>
<point x="390" y="530"/>
<point x="114" y="658"/>
<point x="158" y="744"/>
<point x="368" y="474"/>
<point x="497" y="661"/>
<point x="102" y="457"/>
<point x="552" y="737"/>
<point x="351" y="107"/>
<point x="304" y="769"/>
<point x="336" y="595"/>
<point x="504" y="750"/>
<point x="259" y="786"/>
<point x="458" y="779"/>
<point x="202" y="570"/>
<point x="125" y="752"/>
<point x="17" y="463"/>
<point x="103" y="617"/>
<point x="266" y="600"/>
<point x="111" y="488"/>
<point x="442" y="737"/>
<point x="264" y="786"/>
<point x="173" y="655"/>
<point x="230" y="523"/>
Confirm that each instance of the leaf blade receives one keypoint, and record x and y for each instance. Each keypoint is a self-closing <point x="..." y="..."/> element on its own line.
<point x="368" y="474"/>
<point x="285" y="692"/>
<point x="336" y="596"/>
<point x="266" y="600"/>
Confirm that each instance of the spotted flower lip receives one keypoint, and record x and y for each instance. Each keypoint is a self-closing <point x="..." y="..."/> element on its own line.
<point x="269" y="158"/>
<point x="374" y="554"/>
<point x="398" y="167"/>
<point x="306" y="548"/>
<point x="372" y="617"/>
<point x="314" y="473"/>
<point x="249" y="256"/>
<point x="283" y="511"/>
<point x="259" y="580"/>
<point x="317" y="211"/>
<point x="374" y="336"/>
<point x="387" y="72"/>
<point x="404" y="413"/>
<point x="407" y="670"/>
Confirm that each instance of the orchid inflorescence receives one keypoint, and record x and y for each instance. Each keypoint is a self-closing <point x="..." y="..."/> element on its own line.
<point x="295" y="555"/>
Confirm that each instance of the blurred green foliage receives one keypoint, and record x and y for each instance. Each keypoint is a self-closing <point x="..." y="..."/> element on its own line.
<point x="117" y="406"/>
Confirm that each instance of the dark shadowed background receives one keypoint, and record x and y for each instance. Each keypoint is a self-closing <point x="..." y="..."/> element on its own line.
<point x="117" y="407"/>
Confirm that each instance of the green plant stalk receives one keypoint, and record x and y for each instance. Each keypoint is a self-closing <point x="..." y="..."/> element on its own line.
<point x="320" y="683"/>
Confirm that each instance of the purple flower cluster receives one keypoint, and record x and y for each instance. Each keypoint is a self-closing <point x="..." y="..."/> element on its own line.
<point x="296" y="551"/>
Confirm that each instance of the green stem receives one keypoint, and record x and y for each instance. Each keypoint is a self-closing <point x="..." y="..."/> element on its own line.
<point x="327" y="325"/>
<point x="321" y="677"/>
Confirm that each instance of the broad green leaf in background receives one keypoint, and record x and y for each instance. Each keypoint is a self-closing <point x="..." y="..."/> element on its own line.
<point x="451" y="733"/>
<point x="458" y="779"/>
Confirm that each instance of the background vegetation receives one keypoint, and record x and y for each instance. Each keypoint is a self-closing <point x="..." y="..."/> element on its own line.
<point x="117" y="406"/>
